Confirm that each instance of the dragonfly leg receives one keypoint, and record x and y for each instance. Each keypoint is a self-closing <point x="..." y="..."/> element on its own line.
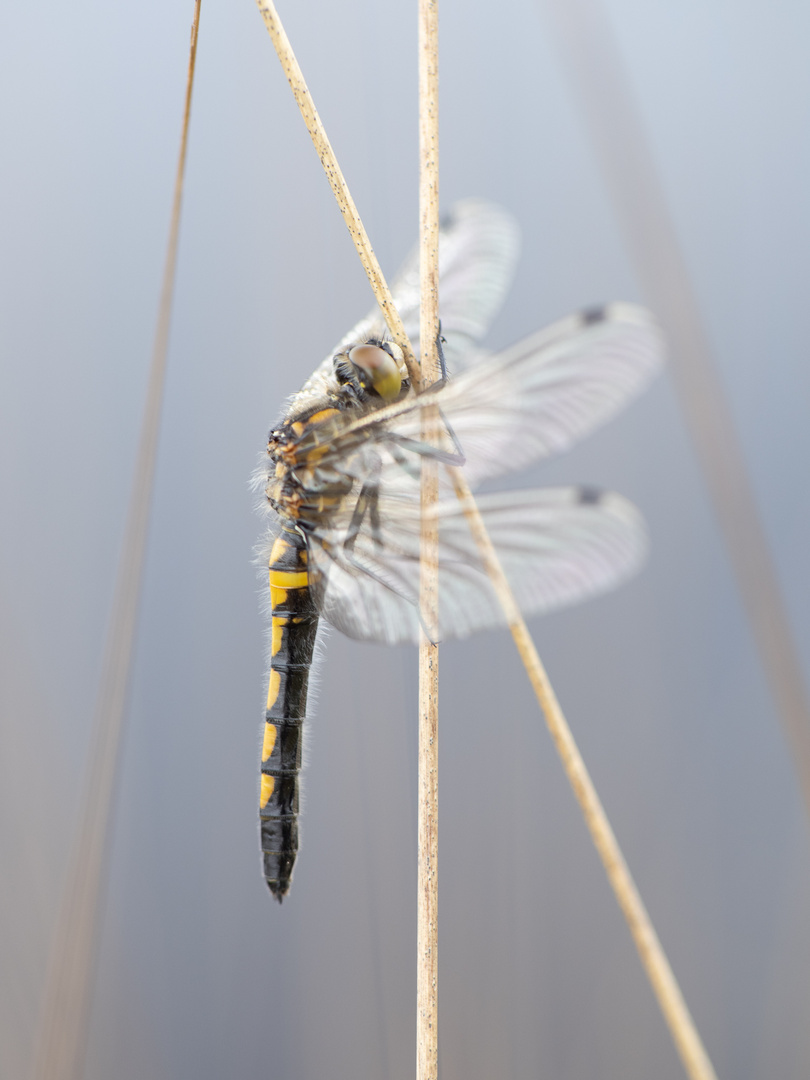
<point x="445" y="457"/>
<point x="367" y="503"/>
<point x="442" y="361"/>
<point x="439" y="383"/>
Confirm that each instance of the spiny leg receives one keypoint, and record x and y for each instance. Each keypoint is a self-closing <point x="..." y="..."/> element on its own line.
<point x="367" y="503"/>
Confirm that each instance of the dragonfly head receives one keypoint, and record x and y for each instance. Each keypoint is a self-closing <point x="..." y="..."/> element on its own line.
<point x="375" y="366"/>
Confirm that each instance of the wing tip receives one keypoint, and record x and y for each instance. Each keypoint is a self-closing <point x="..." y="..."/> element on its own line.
<point x="623" y="313"/>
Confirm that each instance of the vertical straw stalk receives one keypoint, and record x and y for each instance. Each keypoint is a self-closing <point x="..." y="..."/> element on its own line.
<point x="59" y="1054"/>
<point x="427" y="963"/>
<point x="684" y="1034"/>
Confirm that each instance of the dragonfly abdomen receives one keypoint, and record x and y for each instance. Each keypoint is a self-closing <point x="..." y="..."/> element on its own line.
<point x="294" y="628"/>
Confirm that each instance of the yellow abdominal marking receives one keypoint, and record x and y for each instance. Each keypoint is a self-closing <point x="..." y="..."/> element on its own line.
<point x="268" y="783"/>
<point x="273" y="688"/>
<point x="280" y="545"/>
<point x="277" y="597"/>
<point x="277" y="634"/>
<point x="289" y="579"/>
<point x="282" y="580"/>
<point x="270" y="732"/>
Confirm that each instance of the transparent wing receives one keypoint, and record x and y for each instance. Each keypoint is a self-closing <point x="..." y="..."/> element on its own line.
<point x="557" y="546"/>
<point x="478" y="249"/>
<point x="535" y="399"/>
<point x="548" y="391"/>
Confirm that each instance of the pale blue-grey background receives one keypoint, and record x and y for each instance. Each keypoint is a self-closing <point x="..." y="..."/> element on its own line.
<point x="200" y="974"/>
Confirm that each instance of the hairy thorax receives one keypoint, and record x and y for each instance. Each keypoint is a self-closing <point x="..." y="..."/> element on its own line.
<point x="303" y="484"/>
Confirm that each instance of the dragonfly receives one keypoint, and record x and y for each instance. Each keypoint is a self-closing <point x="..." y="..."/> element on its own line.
<point x="342" y="473"/>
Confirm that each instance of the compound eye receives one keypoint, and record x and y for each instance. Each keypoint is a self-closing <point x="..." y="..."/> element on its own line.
<point x="383" y="370"/>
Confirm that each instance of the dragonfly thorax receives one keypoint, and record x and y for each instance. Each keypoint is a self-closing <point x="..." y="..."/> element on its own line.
<point x="303" y="482"/>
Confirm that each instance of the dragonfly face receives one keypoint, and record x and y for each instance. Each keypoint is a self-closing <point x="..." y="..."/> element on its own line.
<point x="342" y="484"/>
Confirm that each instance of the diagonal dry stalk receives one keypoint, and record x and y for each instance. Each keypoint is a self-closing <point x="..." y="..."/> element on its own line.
<point x="337" y="182"/>
<point x="682" y="1028"/>
<point x="69" y="983"/>
<point x="427" y="955"/>
<point x="670" y="999"/>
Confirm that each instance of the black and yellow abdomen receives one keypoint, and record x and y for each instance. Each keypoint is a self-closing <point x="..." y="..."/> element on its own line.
<point x="294" y="627"/>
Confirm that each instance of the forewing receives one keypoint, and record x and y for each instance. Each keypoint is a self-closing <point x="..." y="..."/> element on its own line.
<point x="556" y="545"/>
<point x="478" y="249"/>
<point x="533" y="400"/>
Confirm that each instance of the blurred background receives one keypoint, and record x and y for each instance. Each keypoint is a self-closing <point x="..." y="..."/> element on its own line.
<point x="200" y="974"/>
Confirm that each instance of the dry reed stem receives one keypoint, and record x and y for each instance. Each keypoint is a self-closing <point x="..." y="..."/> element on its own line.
<point x="673" y="1007"/>
<point x="60" y="1051"/>
<point x="427" y="963"/>
<point x="682" y="1027"/>
<point x="338" y="184"/>
<point x="617" y="134"/>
